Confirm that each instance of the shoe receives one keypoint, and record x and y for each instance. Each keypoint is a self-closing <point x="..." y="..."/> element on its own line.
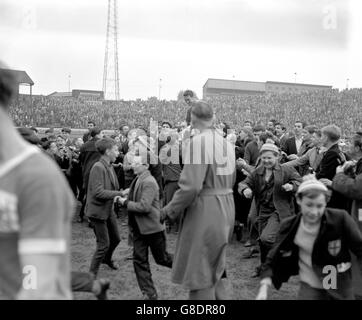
<point x="250" y="253"/>
<point x="168" y="228"/>
<point x="255" y="250"/>
<point x="105" y="285"/>
<point x="247" y="244"/>
<point x="111" y="264"/>
<point x="149" y="297"/>
<point x="238" y="232"/>
<point x="256" y="273"/>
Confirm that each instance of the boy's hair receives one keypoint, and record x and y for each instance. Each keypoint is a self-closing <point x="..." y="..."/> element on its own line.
<point x="332" y="132"/>
<point x="273" y="120"/>
<point x="258" y="127"/>
<point x="188" y="93"/>
<point x="95" y="131"/>
<point x="166" y="122"/>
<point x="105" y="144"/>
<point x="303" y="123"/>
<point x="311" y="129"/>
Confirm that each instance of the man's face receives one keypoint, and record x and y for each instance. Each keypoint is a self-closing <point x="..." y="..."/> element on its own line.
<point x="242" y="135"/>
<point x="316" y="139"/>
<point x="60" y="142"/>
<point x="298" y="127"/>
<point x="79" y="142"/>
<point x="166" y="126"/>
<point x="324" y="140"/>
<point x="305" y="135"/>
<point x="113" y="153"/>
<point x="270" y="126"/>
<point x="188" y="99"/>
<point x="278" y="130"/>
<point x="66" y="135"/>
<point x="137" y="165"/>
<point x="53" y="147"/>
<point x="257" y="134"/>
<point x="247" y="125"/>
<point x="125" y="130"/>
<point x="90" y="126"/>
<point x="312" y="209"/>
<point x="268" y="159"/>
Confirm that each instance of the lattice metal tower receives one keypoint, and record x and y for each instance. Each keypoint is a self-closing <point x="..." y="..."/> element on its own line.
<point x="110" y="72"/>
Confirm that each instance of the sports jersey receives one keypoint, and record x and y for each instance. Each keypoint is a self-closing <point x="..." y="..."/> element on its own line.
<point x="36" y="206"/>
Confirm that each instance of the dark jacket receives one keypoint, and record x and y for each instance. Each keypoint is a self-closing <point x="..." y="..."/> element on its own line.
<point x="289" y="147"/>
<point x="86" y="137"/>
<point x="144" y="204"/>
<point x="352" y="189"/>
<point x="283" y="201"/>
<point x="102" y="189"/>
<point x="332" y="158"/>
<point x="88" y="156"/>
<point x="251" y="153"/>
<point x="338" y="229"/>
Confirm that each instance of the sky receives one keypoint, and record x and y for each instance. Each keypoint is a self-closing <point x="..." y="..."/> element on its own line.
<point x="61" y="43"/>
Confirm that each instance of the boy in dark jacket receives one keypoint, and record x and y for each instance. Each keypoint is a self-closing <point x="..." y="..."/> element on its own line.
<point x="144" y="219"/>
<point x="315" y="244"/>
<point x="103" y="188"/>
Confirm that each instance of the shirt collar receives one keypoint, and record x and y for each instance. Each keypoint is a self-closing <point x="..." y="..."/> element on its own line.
<point x="144" y="175"/>
<point x="106" y="161"/>
<point x="261" y="169"/>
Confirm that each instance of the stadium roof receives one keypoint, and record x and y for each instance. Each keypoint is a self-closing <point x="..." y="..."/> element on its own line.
<point x="235" y="85"/>
<point x="253" y="85"/>
<point x="21" y="77"/>
<point x="60" y="94"/>
<point x="298" y="84"/>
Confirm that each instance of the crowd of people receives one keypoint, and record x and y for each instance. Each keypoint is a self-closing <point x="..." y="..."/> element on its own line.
<point x="317" y="108"/>
<point x="287" y="186"/>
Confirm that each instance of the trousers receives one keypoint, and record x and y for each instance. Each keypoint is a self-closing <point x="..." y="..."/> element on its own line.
<point x="157" y="243"/>
<point x="108" y="238"/>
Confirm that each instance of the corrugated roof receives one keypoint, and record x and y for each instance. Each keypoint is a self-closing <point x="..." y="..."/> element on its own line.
<point x="235" y="85"/>
<point x="60" y="94"/>
<point x="21" y="76"/>
<point x="298" y="84"/>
